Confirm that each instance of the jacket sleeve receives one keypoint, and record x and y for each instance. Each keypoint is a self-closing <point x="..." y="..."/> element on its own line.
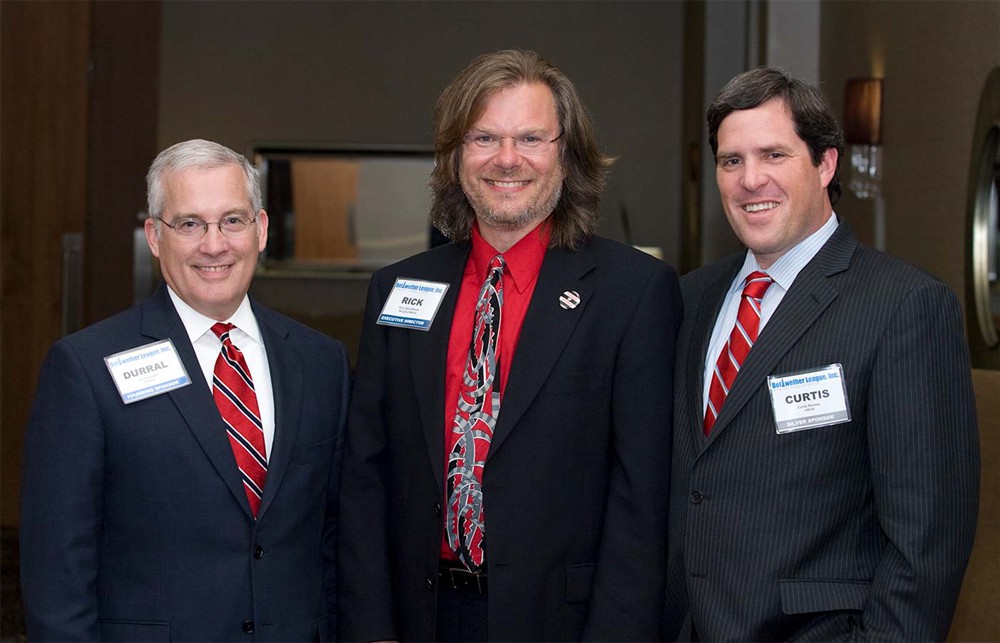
<point x="332" y="499"/>
<point x="924" y="449"/>
<point x="365" y="601"/>
<point x="61" y="503"/>
<point x="627" y="598"/>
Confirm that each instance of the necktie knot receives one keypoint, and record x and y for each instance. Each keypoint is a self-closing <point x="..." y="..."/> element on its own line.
<point x="497" y="265"/>
<point x="757" y="283"/>
<point x="222" y="329"/>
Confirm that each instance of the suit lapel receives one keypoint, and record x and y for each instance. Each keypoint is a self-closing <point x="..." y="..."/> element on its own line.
<point x="547" y="327"/>
<point x="702" y="321"/>
<point x="194" y="402"/>
<point x="810" y="295"/>
<point x="429" y="351"/>
<point x="285" y="364"/>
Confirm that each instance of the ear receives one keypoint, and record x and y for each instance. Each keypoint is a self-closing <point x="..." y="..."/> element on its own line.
<point x="152" y="238"/>
<point x="828" y="166"/>
<point x="261" y="231"/>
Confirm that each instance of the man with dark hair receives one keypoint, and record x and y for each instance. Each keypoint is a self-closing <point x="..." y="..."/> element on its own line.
<point x="181" y="460"/>
<point x="825" y="463"/>
<point x="508" y="442"/>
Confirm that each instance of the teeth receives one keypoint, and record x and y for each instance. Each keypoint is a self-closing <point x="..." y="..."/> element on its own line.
<point x="759" y="207"/>
<point x="509" y="184"/>
<point x="213" y="268"/>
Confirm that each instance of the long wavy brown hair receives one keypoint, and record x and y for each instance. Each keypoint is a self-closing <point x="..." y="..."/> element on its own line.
<point x="462" y="104"/>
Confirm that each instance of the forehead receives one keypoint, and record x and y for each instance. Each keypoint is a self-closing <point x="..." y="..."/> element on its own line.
<point x="524" y="106"/>
<point x="770" y="123"/>
<point x="226" y="182"/>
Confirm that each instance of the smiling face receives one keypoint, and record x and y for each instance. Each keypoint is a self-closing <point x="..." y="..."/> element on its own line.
<point x="510" y="191"/>
<point x="773" y="195"/>
<point x="211" y="273"/>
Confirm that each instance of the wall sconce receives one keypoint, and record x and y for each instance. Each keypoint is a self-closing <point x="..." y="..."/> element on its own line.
<point x="863" y="133"/>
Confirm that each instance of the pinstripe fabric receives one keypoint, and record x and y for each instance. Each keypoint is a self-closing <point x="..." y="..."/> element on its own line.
<point x="856" y="530"/>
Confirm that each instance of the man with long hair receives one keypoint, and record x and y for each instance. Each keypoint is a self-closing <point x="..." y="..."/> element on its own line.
<point x="508" y="443"/>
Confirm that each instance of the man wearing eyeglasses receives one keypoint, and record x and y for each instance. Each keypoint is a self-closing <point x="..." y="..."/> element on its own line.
<point x="182" y="457"/>
<point x="508" y="445"/>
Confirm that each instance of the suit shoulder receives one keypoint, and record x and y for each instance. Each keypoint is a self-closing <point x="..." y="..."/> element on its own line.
<point x="302" y="333"/>
<point x="614" y="254"/>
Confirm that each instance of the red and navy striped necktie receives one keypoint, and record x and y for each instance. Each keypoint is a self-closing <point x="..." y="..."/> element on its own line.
<point x="234" y="394"/>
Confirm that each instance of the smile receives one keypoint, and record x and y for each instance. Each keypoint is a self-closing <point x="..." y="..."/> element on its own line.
<point x="213" y="268"/>
<point x="760" y="207"/>
<point x="507" y="184"/>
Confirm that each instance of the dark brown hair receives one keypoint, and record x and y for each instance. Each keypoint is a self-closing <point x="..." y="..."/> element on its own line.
<point x="814" y="123"/>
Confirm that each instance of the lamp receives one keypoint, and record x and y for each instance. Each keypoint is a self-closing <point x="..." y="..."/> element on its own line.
<point x="863" y="132"/>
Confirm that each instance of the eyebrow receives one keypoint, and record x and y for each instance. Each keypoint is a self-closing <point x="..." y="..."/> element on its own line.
<point x="227" y="213"/>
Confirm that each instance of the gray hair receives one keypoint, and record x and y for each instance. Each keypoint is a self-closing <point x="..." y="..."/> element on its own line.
<point x="196" y="153"/>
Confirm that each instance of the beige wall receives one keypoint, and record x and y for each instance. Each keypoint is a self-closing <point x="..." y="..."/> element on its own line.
<point x="934" y="57"/>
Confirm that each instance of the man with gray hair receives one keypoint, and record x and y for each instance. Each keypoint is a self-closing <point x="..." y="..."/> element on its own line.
<point x="182" y="457"/>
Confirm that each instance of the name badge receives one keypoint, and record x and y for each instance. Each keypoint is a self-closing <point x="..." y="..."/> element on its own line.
<point x="412" y="304"/>
<point x="147" y="371"/>
<point x="809" y="399"/>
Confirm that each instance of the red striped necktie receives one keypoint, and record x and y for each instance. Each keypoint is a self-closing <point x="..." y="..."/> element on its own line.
<point x="742" y="337"/>
<point x="234" y="394"/>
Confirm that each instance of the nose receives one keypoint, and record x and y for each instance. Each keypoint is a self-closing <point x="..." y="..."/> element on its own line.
<point x="753" y="177"/>
<point x="213" y="242"/>
<point x="507" y="156"/>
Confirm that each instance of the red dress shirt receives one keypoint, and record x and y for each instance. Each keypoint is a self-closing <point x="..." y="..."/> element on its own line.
<point x="523" y="261"/>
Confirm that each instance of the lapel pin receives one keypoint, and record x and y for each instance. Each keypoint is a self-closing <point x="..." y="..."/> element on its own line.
<point x="569" y="299"/>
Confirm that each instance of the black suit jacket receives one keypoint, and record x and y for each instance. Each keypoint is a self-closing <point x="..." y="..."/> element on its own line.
<point x="575" y="477"/>
<point x="855" y="531"/>
<point x="135" y="525"/>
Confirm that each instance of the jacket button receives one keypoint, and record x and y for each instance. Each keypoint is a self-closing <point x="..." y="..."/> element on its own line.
<point x="258" y="552"/>
<point x="437" y="508"/>
<point x="248" y="627"/>
<point x="697" y="497"/>
<point x="430" y="582"/>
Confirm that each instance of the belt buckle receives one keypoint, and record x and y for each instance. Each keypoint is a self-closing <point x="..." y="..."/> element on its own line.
<point x="464" y="579"/>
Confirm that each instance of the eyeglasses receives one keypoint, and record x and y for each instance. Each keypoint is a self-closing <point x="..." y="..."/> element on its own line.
<point x="483" y="143"/>
<point x="193" y="228"/>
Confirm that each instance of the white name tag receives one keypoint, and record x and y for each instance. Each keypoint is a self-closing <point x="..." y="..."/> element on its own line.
<point x="809" y="399"/>
<point x="412" y="304"/>
<point x="147" y="371"/>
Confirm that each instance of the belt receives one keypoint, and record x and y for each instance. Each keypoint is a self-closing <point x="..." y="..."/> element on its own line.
<point x="453" y="574"/>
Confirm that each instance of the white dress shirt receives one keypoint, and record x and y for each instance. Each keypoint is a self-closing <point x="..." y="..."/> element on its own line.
<point x="246" y="337"/>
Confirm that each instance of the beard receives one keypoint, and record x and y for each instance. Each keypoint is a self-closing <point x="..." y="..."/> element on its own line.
<point x="502" y="214"/>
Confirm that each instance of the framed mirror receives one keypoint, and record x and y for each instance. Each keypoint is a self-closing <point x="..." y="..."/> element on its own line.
<point x="983" y="259"/>
<point x="343" y="208"/>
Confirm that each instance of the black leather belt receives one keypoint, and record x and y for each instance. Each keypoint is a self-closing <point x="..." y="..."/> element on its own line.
<point x="454" y="574"/>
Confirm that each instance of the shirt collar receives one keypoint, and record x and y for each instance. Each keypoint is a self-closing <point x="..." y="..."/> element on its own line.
<point x="197" y="324"/>
<point x="787" y="267"/>
<point x="523" y="259"/>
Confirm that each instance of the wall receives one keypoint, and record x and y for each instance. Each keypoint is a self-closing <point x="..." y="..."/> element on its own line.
<point x="369" y="73"/>
<point x="934" y="57"/>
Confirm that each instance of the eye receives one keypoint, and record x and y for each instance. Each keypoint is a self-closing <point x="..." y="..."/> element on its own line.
<point x="233" y="220"/>
<point x="729" y="162"/>
<point x="188" y="225"/>
<point x="530" y="140"/>
<point x="484" y="140"/>
<point x="775" y="155"/>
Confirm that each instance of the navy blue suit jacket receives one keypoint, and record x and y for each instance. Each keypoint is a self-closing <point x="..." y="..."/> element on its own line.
<point x="854" y="531"/>
<point x="577" y="469"/>
<point x="135" y="524"/>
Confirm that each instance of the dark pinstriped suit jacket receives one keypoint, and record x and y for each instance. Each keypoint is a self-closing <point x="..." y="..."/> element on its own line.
<point x="860" y="530"/>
